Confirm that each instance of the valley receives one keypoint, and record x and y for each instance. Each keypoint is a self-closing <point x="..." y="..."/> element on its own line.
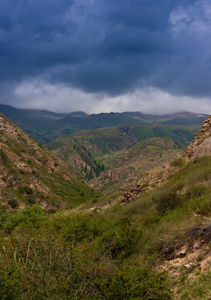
<point x="103" y="209"/>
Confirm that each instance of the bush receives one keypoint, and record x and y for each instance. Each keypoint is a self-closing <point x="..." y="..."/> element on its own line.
<point x="177" y="162"/>
<point x="31" y="200"/>
<point x="5" y="158"/>
<point x="39" y="264"/>
<point x="122" y="239"/>
<point x="25" y="190"/>
<point x="13" y="203"/>
<point x="169" y="199"/>
<point x="31" y="216"/>
<point x="195" y="191"/>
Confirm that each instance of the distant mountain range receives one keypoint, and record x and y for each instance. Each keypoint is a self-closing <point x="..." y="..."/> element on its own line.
<point x="45" y="126"/>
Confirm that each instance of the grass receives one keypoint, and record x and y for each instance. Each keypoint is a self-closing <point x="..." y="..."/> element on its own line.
<point x="101" y="250"/>
<point x="198" y="288"/>
<point x="75" y="256"/>
<point x="109" y="253"/>
<point x="28" y="179"/>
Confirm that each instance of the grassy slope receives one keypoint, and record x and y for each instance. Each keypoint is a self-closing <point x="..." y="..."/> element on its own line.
<point x="106" y="140"/>
<point x="106" y="146"/>
<point x="31" y="174"/>
<point x="128" y="165"/>
<point x="110" y="251"/>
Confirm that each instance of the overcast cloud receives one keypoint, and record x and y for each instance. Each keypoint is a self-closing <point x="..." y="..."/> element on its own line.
<point x="106" y="55"/>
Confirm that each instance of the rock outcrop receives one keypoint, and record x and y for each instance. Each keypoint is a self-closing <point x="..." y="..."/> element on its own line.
<point x="133" y="193"/>
<point x="201" y="145"/>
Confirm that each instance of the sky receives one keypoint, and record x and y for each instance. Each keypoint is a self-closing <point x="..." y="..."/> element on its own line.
<point x="106" y="55"/>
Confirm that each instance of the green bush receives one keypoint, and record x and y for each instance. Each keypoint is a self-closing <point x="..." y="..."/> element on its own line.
<point x="31" y="216"/>
<point x="122" y="239"/>
<point x="5" y="158"/>
<point x="169" y="199"/>
<point x="31" y="200"/>
<point x="13" y="203"/>
<point x="39" y="265"/>
<point x="195" y="191"/>
<point x="25" y="190"/>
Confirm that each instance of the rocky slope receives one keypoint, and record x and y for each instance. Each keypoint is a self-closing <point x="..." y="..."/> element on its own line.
<point x="30" y="174"/>
<point x="125" y="167"/>
<point x="77" y="156"/>
<point x="201" y="145"/>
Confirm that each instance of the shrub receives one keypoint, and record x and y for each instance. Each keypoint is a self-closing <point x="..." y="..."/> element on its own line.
<point x="177" y="162"/>
<point x="5" y="158"/>
<point x="25" y="190"/>
<point x="13" y="203"/>
<point x="31" y="216"/>
<point x="31" y="200"/>
<point x="122" y="239"/>
<point x="195" y="191"/>
<point x="169" y="199"/>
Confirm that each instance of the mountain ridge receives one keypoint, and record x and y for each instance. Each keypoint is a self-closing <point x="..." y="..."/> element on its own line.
<point x="45" y="126"/>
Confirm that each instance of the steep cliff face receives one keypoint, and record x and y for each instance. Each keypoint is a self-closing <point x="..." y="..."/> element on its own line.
<point x="201" y="145"/>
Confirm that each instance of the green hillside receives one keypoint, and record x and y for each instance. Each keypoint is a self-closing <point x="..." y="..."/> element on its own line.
<point x="126" y="166"/>
<point x="45" y="126"/>
<point x="120" y="149"/>
<point x="113" y="251"/>
<point x="77" y="156"/>
<point x="106" y="140"/>
<point x="157" y="246"/>
<point x="30" y="174"/>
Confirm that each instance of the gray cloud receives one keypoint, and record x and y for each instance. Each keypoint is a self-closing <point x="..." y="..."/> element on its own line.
<point x="111" y="47"/>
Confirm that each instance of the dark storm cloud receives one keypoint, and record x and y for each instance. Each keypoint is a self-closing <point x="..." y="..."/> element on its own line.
<point x="108" y="46"/>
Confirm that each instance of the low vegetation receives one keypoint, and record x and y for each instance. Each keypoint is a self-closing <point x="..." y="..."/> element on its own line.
<point x="112" y="253"/>
<point x="30" y="174"/>
<point x="60" y="239"/>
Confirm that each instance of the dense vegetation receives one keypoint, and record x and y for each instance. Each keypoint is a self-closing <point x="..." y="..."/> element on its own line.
<point x="110" y="251"/>
<point x="60" y="239"/>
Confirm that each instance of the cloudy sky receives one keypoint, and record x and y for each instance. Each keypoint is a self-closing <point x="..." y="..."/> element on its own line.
<point x="106" y="55"/>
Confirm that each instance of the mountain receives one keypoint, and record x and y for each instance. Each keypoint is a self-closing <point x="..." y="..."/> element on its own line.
<point x="71" y="124"/>
<point x="45" y="126"/>
<point x="125" y="167"/>
<point x="77" y="156"/>
<point x="199" y="147"/>
<point x="152" y="242"/>
<point x="30" y="174"/>
<point x="89" y="152"/>
<point x="121" y="166"/>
